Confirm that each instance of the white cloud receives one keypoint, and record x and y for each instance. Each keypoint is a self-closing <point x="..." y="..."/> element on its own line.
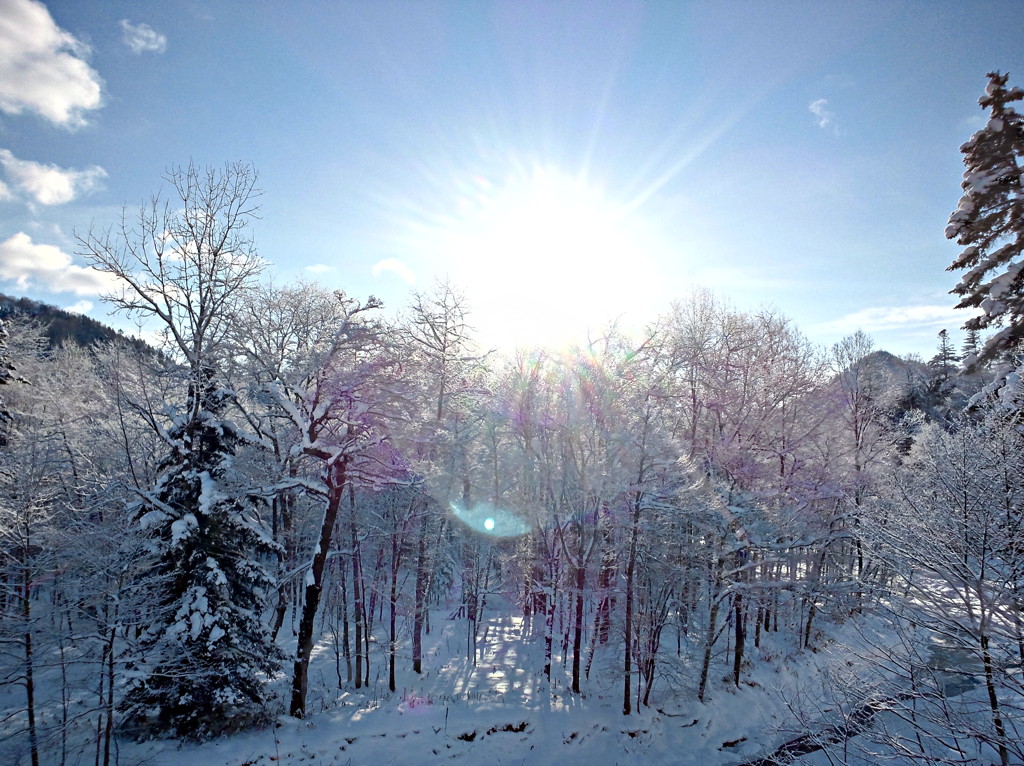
<point x="49" y="184"/>
<point x="79" y="307"/>
<point x="883" y="318"/>
<point x="142" y="38"/>
<point x="5" y="192"/>
<point x="42" y="67"/>
<point x="319" y="268"/>
<point x="819" y="109"/>
<point x="28" y="264"/>
<point x="396" y="267"/>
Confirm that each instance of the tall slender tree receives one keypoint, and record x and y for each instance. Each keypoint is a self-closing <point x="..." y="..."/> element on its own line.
<point x="945" y="359"/>
<point x="444" y="362"/>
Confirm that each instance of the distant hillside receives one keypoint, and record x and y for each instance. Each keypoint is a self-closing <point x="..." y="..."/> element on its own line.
<point x="62" y="326"/>
<point x="887" y="371"/>
<point x="898" y="385"/>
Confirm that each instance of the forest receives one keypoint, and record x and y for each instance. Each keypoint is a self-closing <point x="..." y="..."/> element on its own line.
<point x="293" y="502"/>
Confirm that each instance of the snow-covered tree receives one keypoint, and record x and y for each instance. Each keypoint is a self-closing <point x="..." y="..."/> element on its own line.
<point x="444" y="370"/>
<point x="278" y="339"/>
<point x="951" y="535"/>
<point x="989" y="225"/>
<point x="971" y="345"/>
<point x="945" y="359"/>
<point x="741" y="383"/>
<point x="59" y="491"/>
<point x="201" y="654"/>
<point x="332" y="396"/>
<point x="26" y="492"/>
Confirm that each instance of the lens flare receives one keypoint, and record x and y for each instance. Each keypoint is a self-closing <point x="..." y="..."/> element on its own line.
<point x="490" y="520"/>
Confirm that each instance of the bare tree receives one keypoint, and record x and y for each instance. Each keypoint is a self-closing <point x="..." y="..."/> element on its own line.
<point x="444" y="365"/>
<point x="186" y="265"/>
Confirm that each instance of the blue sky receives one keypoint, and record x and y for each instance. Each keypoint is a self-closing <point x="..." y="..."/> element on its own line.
<point x="563" y="164"/>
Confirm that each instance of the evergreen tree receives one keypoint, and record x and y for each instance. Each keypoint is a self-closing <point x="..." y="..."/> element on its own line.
<point x="970" y="347"/>
<point x="943" y="362"/>
<point x="989" y="224"/>
<point x="205" y="648"/>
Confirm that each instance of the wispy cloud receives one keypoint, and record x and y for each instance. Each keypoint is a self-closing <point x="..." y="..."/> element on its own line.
<point x="396" y="267"/>
<point x="29" y="264"/>
<point x="142" y="38"/>
<point x="43" y="69"/>
<point x="824" y="116"/>
<point x="883" y="318"/>
<point x="49" y="184"/>
<point x="319" y="268"/>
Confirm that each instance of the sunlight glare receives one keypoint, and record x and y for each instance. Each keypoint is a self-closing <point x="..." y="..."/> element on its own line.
<point x="546" y="256"/>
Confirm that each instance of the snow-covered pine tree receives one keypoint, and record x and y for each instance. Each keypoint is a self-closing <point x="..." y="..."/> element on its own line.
<point x="989" y="224"/>
<point x="205" y="648"/>
<point x="972" y="339"/>
<point x="945" y="359"/>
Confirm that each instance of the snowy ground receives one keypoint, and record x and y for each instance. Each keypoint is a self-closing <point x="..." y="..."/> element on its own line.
<point x="502" y="712"/>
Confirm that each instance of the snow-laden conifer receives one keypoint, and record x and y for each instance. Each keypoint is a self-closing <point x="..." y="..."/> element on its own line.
<point x="203" y="658"/>
<point x="989" y="224"/>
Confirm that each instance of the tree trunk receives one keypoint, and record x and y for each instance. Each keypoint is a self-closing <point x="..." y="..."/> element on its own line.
<point x="421" y="594"/>
<point x="577" y="636"/>
<point x="395" y="548"/>
<point x="357" y="590"/>
<point x="314" y="588"/>
<point x="282" y="529"/>
<point x="993" y="701"/>
<point x="737" y="664"/>
<point x="371" y="610"/>
<point x="550" y="601"/>
<point x="346" y="639"/>
<point x="108" y="731"/>
<point x="627" y="669"/>
<point x="280" y="610"/>
<point x="30" y="686"/>
<point x="709" y="642"/>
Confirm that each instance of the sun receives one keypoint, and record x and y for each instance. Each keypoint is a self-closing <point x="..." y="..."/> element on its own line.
<point x="545" y="256"/>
